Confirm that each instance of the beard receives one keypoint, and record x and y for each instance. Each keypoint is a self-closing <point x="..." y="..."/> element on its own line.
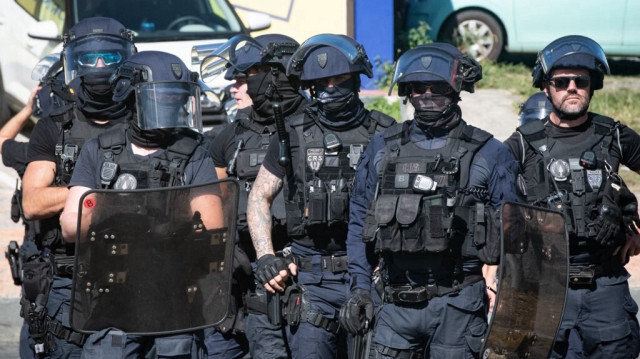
<point x="571" y="112"/>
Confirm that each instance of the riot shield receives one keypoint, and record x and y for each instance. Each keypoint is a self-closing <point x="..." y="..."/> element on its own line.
<point x="533" y="282"/>
<point x="154" y="261"/>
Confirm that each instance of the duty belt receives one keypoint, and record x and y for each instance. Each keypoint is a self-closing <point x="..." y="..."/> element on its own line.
<point x="334" y="264"/>
<point x="67" y="334"/>
<point x="584" y="275"/>
<point x="410" y="295"/>
<point x="63" y="265"/>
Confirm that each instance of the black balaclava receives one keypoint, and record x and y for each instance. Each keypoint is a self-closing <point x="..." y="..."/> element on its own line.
<point x="95" y="97"/>
<point x="436" y="110"/>
<point x="159" y="137"/>
<point x="340" y="106"/>
<point x="264" y="88"/>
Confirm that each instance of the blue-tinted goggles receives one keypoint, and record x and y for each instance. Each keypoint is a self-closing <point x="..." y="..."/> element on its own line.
<point x="91" y="58"/>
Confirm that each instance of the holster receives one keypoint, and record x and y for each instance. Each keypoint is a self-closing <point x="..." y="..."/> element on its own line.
<point x="37" y="280"/>
<point x="293" y="304"/>
<point x="15" y="262"/>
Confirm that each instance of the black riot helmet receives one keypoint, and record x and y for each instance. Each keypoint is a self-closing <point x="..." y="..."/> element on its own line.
<point x="328" y="55"/>
<point x="95" y="45"/>
<point x="167" y="94"/>
<point x="436" y="62"/>
<point x="241" y="52"/>
<point x="536" y="107"/>
<point x="573" y="51"/>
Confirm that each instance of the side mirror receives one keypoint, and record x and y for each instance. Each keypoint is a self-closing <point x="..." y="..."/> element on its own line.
<point x="258" y="21"/>
<point x="44" y="30"/>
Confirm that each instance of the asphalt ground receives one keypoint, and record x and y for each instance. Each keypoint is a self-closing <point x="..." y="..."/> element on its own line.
<point x="491" y="110"/>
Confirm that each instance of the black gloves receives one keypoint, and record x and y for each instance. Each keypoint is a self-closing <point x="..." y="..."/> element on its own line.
<point x="269" y="266"/>
<point x="609" y="222"/>
<point x="357" y="312"/>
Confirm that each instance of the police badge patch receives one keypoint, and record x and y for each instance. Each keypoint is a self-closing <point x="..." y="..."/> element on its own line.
<point x="322" y="59"/>
<point x="315" y="158"/>
<point x="177" y="70"/>
<point x="426" y="61"/>
<point x="594" y="177"/>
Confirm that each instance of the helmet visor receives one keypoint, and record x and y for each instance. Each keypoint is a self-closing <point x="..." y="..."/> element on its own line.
<point x="532" y="114"/>
<point x="571" y="45"/>
<point x="170" y="104"/>
<point x="240" y="52"/>
<point x="95" y="53"/>
<point x="353" y="52"/>
<point x="416" y="66"/>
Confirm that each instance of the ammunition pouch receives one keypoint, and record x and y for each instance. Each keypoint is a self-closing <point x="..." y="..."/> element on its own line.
<point x="412" y="223"/>
<point x="486" y="233"/>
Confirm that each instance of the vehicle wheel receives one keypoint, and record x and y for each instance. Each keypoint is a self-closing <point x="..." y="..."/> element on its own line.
<point x="4" y="107"/>
<point x="476" y="33"/>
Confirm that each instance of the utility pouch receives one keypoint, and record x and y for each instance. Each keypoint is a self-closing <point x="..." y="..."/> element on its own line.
<point x="293" y="305"/>
<point x="317" y="208"/>
<point x="434" y="236"/>
<point x="486" y="233"/>
<point x="407" y="213"/>
<point x="249" y="162"/>
<point x="389" y="238"/>
<point x="15" y="205"/>
<point x="339" y="210"/>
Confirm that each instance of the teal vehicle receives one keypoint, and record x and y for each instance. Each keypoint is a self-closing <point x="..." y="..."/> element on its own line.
<point x="489" y="27"/>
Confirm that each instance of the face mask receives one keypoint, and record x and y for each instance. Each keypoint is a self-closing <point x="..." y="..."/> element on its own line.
<point x="433" y="109"/>
<point x="159" y="137"/>
<point x="97" y="83"/>
<point x="336" y="98"/>
<point x="263" y="91"/>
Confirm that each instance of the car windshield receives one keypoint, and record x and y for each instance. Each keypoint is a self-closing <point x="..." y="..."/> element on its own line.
<point x="165" y="20"/>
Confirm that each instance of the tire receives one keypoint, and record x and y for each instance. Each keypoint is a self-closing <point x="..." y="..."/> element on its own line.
<point x="482" y="36"/>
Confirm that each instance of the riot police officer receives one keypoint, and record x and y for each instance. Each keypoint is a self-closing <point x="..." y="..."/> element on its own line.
<point x="423" y="194"/>
<point x="325" y="144"/>
<point x="150" y="153"/>
<point x="570" y="162"/>
<point x="536" y="107"/>
<point x="259" y="65"/>
<point x="92" y="50"/>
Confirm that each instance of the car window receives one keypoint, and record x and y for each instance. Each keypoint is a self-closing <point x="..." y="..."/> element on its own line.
<point x="45" y="10"/>
<point x="164" y="20"/>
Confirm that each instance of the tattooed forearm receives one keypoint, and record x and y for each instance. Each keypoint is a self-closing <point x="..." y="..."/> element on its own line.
<point x="264" y="190"/>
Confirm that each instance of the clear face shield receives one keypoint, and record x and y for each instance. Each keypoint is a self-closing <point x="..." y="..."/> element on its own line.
<point x="571" y="45"/>
<point x="354" y="53"/>
<point x="94" y="53"/>
<point x="240" y="52"/>
<point x="168" y="104"/>
<point x="436" y="65"/>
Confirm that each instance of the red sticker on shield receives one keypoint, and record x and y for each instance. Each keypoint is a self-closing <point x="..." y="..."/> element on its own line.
<point x="89" y="203"/>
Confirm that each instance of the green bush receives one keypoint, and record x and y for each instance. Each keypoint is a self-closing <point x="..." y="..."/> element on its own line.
<point x="381" y="104"/>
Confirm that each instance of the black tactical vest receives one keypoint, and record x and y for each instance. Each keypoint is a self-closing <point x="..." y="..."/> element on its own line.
<point x="559" y="180"/>
<point x="423" y="204"/>
<point x="165" y="170"/>
<point x="251" y="142"/>
<point x="317" y="198"/>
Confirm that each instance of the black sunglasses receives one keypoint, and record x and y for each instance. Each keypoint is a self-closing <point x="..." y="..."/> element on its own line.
<point x="562" y="82"/>
<point x="440" y="88"/>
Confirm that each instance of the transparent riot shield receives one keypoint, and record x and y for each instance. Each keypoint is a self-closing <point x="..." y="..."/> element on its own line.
<point x="154" y="261"/>
<point x="533" y="282"/>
